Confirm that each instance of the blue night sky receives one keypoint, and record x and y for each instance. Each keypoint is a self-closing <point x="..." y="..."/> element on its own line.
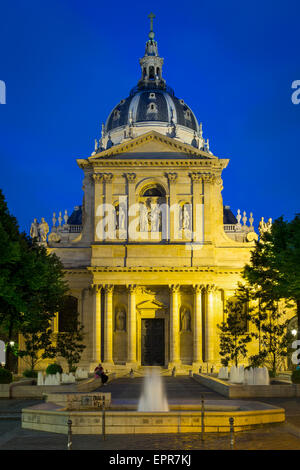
<point x="67" y="63"/>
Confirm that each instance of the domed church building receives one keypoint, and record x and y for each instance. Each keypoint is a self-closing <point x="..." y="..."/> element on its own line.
<point x="152" y="254"/>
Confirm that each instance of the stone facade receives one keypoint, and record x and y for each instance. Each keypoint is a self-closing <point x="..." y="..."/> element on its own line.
<point x="151" y="262"/>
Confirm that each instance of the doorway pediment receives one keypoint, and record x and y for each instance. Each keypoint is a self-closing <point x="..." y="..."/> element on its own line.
<point x="151" y="305"/>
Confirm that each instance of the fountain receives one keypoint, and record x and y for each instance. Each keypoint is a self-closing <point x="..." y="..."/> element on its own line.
<point x="97" y="412"/>
<point x="153" y="396"/>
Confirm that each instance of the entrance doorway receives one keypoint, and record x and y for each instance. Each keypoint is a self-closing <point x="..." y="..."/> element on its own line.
<point x="153" y="342"/>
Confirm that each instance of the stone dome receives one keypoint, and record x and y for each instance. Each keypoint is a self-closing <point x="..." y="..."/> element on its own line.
<point x="151" y="105"/>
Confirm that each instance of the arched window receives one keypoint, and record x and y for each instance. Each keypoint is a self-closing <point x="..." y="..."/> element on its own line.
<point x="68" y="314"/>
<point x="154" y="191"/>
<point x="151" y="73"/>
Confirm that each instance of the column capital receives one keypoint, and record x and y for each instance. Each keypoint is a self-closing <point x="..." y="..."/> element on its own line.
<point x="198" y="288"/>
<point x="172" y="177"/>
<point x="109" y="288"/>
<point x="96" y="287"/>
<point x="132" y="288"/>
<point x="108" y="177"/>
<point x="174" y="288"/>
<point x="196" y="177"/>
<point x="97" y="177"/>
<point x="209" y="178"/>
<point x="131" y="177"/>
<point x="208" y="288"/>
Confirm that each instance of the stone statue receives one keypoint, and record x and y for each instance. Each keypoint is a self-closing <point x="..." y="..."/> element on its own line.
<point x="262" y="226"/>
<point x="155" y="212"/>
<point x="122" y="216"/>
<point x="120" y="320"/>
<point x="143" y="218"/>
<point x="34" y="229"/>
<point x="185" y="218"/>
<point x="43" y="230"/>
<point x="185" y="320"/>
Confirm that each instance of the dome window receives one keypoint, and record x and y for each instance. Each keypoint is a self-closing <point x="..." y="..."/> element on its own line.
<point x="116" y="114"/>
<point x="122" y="101"/>
<point x="187" y="114"/>
<point x="181" y="101"/>
<point x="152" y="96"/>
<point x="152" y="108"/>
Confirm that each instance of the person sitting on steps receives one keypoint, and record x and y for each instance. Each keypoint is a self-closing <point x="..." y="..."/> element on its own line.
<point x="99" y="372"/>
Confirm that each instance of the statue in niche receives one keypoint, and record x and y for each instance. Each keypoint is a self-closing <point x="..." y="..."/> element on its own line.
<point x="185" y="319"/>
<point x="143" y="218"/>
<point x="120" y="320"/>
<point x="155" y="217"/>
<point x="185" y="215"/>
<point x="122" y="217"/>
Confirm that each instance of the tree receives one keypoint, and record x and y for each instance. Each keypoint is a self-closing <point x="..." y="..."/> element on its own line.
<point x="38" y="346"/>
<point x="69" y="344"/>
<point x="233" y="335"/>
<point x="274" y="275"/>
<point x="275" y="337"/>
<point x="274" y="268"/>
<point x="32" y="285"/>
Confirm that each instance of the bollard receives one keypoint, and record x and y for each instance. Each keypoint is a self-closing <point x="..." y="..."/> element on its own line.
<point x="202" y="418"/>
<point x="103" y="422"/>
<point x="212" y="370"/>
<point x="231" y="422"/>
<point x="190" y="373"/>
<point x="200" y="369"/>
<point x="69" y="434"/>
<point x="173" y="371"/>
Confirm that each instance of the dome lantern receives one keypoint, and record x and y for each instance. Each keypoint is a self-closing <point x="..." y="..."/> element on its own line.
<point x="151" y="64"/>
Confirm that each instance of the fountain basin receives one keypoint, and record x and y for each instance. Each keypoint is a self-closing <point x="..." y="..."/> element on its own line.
<point x="51" y="417"/>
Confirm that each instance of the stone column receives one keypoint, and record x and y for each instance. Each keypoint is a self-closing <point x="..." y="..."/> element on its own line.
<point x="132" y="214"/>
<point x="209" y="323"/>
<point x="131" y="356"/>
<point x="174" y="325"/>
<point x="208" y="207"/>
<point x="198" y="235"/>
<point x="197" y="359"/>
<point x="97" y="324"/>
<point x="109" y="213"/>
<point x="108" y="325"/>
<point x="173" y="212"/>
<point x="98" y="209"/>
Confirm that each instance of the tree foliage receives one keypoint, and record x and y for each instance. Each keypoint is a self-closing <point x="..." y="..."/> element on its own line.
<point x="32" y="284"/>
<point x="233" y="335"/>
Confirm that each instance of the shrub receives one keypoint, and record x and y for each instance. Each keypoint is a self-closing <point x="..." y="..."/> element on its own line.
<point x="272" y="374"/>
<point x="52" y="369"/>
<point x="5" y="376"/>
<point x="30" y="373"/>
<point x="296" y="377"/>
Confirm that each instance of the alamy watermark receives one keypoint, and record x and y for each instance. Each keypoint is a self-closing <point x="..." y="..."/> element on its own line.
<point x="150" y="221"/>
<point x="296" y="94"/>
<point x="2" y="92"/>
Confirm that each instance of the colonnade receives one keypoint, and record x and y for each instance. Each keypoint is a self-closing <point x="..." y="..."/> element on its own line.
<point x="203" y="334"/>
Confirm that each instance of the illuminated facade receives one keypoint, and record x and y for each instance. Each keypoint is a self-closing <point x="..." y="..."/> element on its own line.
<point x="152" y="254"/>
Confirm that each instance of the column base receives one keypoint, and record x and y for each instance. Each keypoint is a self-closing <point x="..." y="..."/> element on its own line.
<point x="132" y="365"/>
<point x="196" y="366"/>
<point x="173" y="364"/>
<point x="108" y="365"/>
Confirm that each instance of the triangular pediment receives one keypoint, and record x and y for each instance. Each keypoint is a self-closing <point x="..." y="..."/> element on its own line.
<point x="152" y="143"/>
<point x="150" y="305"/>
